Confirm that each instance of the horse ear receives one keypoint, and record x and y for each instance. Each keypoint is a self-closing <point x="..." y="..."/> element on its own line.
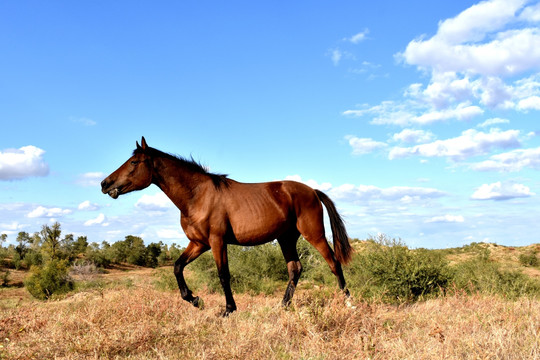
<point x="143" y="143"/>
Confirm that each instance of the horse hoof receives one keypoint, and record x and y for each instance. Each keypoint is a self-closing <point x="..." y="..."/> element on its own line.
<point x="227" y="312"/>
<point x="196" y="301"/>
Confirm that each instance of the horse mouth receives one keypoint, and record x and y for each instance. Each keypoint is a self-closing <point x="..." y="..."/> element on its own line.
<point x="114" y="193"/>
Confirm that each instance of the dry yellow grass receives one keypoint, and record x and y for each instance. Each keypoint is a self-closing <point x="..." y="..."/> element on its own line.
<point x="141" y="322"/>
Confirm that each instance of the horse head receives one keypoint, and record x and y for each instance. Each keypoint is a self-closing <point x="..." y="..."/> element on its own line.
<point x="134" y="174"/>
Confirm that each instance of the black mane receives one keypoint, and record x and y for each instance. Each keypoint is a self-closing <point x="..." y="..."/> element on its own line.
<point x="191" y="164"/>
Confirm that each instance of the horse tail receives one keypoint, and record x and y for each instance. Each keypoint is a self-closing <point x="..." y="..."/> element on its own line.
<point x="342" y="247"/>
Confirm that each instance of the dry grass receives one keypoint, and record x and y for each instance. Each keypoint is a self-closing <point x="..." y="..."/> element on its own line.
<point x="140" y="322"/>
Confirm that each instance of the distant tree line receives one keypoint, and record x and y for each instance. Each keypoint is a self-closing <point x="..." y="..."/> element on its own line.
<point x="48" y="244"/>
<point x="49" y="256"/>
<point x="383" y="269"/>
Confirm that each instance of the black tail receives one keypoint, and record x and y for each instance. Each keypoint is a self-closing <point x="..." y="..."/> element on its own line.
<point x="342" y="247"/>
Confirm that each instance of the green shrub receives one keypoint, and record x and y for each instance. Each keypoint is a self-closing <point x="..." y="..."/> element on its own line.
<point x="529" y="259"/>
<point x="482" y="275"/>
<point x="97" y="256"/>
<point x="164" y="280"/>
<point x="4" y="278"/>
<point x="315" y="268"/>
<point x="257" y="269"/>
<point x="32" y="258"/>
<point x="388" y="270"/>
<point x="50" y="279"/>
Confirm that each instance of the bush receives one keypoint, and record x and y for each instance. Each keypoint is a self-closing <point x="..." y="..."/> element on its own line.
<point x="152" y="254"/>
<point x="529" y="259"/>
<point x="4" y="278"/>
<point x="387" y="269"/>
<point x="165" y="280"/>
<point x="169" y="254"/>
<point x="482" y="275"/>
<point x="31" y="258"/>
<point x="50" y="279"/>
<point x="256" y="269"/>
<point x="97" y="256"/>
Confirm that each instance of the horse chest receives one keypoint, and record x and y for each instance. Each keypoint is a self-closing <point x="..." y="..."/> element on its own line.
<point x="200" y="228"/>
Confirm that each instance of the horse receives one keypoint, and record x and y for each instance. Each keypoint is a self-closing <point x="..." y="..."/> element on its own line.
<point x="216" y="211"/>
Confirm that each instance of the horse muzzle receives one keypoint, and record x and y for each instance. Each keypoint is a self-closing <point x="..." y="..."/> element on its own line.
<point x="114" y="193"/>
<point x="106" y="188"/>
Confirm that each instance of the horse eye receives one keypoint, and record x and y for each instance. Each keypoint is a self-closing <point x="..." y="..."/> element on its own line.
<point x="134" y="162"/>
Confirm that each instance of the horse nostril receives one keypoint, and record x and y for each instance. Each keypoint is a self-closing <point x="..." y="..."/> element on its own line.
<point x="104" y="184"/>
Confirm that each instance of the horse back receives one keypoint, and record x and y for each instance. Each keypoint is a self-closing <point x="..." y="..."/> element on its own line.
<point x="262" y="212"/>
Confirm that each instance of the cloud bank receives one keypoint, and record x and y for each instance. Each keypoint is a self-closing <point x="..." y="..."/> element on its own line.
<point x="27" y="161"/>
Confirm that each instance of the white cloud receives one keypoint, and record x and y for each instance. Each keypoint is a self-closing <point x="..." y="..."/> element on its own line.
<point x="352" y="193"/>
<point x="88" y="206"/>
<point x="84" y="121"/>
<point x="410" y="136"/>
<point x="387" y="112"/>
<point x="470" y="143"/>
<point x="361" y="36"/>
<point x="336" y="56"/>
<point x="514" y="160"/>
<point x="530" y="103"/>
<point x="411" y="113"/>
<point x="531" y="13"/>
<point x="21" y="163"/>
<point x="446" y="219"/>
<point x="156" y="202"/>
<point x="43" y="212"/>
<point x="90" y="179"/>
<point x="170" y="234"/>
<point x="463" y="111"/>
<point x="501" y="191"/>
<point x="444" y="89"/>
<point x="10" y="227"/>
<point x="349" y="192"/>
<point x="493" y="121"/>
<point x="363" y="146"/>
<point x="471" y="53"/>
<point x="100" y="219"/>
<point x="311" y="183"/>
<point x="479" y="41"/>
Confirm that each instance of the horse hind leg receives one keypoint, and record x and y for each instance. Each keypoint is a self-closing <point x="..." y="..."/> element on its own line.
<point x="321" y="244"/>
<point x="311" y="226"/>
<point x="294" y="267"/>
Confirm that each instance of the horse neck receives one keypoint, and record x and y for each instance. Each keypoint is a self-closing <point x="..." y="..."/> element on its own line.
<point x="177" y="181"/>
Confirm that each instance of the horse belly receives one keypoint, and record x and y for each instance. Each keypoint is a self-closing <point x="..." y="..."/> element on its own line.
<point x="258" y="227"/>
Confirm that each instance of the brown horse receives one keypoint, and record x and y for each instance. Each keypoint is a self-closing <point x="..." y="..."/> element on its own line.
<point x="217" y="211"/>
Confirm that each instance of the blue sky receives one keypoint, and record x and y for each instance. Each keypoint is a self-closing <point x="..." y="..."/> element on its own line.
<point x="419" y="118"/>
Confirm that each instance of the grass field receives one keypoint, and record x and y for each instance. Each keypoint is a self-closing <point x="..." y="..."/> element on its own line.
<point x="131" y="315"/>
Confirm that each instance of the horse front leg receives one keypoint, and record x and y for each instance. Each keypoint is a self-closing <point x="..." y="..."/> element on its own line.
<point x="219" y="250"/>
<point x="193" y="251"/>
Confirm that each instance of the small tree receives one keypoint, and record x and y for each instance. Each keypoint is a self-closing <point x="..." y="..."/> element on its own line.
<point x="22" y="248"/>
<point x="50" y="279"/>
<point x="67" y="247"/>
<point x="3" y="251"/>
<point x="81" y="244"/>
<point x="3" y="239"/>
<point x="23" y="240"/>
<point x="51" y="239"/>
<point x="152" y="253"/>
<point x="98" y="256"/>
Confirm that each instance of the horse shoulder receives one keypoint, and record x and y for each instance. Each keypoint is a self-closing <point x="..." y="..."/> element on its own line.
<point x="205" y="215"/>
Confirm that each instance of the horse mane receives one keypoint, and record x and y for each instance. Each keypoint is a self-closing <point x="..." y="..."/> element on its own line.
<point x="191" y="164"/>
